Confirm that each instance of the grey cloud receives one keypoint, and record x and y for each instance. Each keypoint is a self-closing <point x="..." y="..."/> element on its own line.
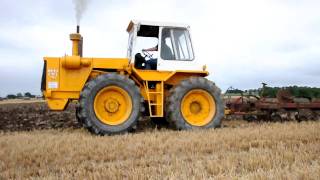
<point x="241" y="49"/>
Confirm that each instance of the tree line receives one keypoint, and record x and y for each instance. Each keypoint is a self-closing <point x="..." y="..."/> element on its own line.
<point x="20" y="95"/>
<point x="271" y="92"/>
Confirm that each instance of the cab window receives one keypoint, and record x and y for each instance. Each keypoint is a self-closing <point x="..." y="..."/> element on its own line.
<point x="176" y="44"/>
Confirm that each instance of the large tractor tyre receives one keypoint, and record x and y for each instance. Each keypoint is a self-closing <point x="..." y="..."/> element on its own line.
<point x="110" y="104"/>
<point x="195" y="103"/>
<point x="79" y="119"/>
<point x="78" y="115"/>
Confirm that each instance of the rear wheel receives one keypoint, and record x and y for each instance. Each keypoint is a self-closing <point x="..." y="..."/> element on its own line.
<point x="78" y="115"/>
<point x="195" y="103"/>
<point x="109" y="104"/>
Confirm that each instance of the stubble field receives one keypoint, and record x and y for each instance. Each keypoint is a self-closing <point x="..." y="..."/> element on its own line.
<point x="36" y="143"/>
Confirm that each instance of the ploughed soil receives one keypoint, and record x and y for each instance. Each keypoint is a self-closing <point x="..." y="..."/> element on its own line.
<point x="24" y="116"/>
<point x="30" y="116"/>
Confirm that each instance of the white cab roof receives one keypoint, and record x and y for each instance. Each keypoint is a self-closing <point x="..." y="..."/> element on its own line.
<point x="153" y="23"/>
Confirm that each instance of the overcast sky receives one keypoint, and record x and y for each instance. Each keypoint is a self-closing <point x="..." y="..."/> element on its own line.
<point x="243" y="42"/>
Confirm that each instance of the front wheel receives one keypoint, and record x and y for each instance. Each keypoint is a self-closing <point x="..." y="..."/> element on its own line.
<point x="110" y="104"/>
<point x="195" y="103"/>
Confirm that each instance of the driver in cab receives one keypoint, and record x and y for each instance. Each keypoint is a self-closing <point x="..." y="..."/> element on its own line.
<point x="152" y="62"/>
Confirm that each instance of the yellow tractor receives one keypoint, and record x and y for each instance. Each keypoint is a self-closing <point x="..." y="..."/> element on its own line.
<point x="113" y="94"/>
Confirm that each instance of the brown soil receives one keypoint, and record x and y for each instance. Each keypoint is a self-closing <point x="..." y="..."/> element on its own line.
<point x="30" y="116"/>
<point x="37" y="116"/>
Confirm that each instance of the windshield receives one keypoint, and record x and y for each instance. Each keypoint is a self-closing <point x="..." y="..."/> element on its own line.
<point x="176" y="44"/>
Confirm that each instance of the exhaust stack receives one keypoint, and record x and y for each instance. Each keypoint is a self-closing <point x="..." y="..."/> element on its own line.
<point x="77" y="43"/>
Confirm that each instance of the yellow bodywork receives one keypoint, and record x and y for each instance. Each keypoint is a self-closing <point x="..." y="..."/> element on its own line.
<point x="65" y="77"/>
<point x="64" y="83"/>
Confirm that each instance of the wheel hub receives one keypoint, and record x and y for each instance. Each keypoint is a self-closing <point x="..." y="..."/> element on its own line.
<point x="195" y="107"/>
<point x="198" y="107"/>
<point x="111" y="105"/>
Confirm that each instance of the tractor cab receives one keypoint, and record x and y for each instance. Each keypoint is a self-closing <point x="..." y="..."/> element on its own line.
<point x="169" y="46"/>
